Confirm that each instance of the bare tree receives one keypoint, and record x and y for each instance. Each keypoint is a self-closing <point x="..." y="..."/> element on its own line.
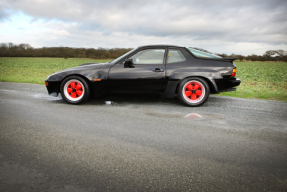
<point x="281" y="52"/>
<point x="269" y="53"/>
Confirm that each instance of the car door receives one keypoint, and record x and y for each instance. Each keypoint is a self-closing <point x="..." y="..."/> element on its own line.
<point x="147" y="72"/>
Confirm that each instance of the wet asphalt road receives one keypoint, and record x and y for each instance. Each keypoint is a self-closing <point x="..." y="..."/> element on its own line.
<point x="141" y="143"/>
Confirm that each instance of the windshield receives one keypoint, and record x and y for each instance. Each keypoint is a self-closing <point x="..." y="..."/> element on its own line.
<point x="203" y="53"/>
<point x="118" y="59"/>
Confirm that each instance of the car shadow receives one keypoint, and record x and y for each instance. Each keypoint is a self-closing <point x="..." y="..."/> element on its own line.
<point x="134" y="98"/>
<point x="121" y="99"/>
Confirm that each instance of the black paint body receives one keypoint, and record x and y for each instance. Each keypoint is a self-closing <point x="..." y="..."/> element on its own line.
<point x="161" y="78"/>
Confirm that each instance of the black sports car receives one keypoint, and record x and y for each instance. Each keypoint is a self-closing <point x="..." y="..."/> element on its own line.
<point x="189" y="73"/>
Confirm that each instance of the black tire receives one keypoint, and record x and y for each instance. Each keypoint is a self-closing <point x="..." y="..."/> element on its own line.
<point x="75" y="90"/>
<point x="193" y="91"/>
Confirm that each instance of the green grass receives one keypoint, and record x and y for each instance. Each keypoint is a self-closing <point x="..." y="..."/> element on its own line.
<point x="260" y="80"/>
<point x="36" y="70"/>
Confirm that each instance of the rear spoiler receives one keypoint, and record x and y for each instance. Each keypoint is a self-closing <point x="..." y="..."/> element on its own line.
<point x="230" y="59"/>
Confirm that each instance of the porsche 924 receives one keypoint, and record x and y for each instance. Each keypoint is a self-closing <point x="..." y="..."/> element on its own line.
<point x="191" y="74"/>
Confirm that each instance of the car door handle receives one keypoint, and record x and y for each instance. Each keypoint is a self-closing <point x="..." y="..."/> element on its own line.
<point x="158" y="70"/>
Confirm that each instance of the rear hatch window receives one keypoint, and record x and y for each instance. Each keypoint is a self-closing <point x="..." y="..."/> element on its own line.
<point x="202" y="53"/>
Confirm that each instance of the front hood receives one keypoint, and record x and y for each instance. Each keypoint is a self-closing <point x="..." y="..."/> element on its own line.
<point x="84" y="69"/>
<point x="89" y="64"/>
<point x="84" y="66"/>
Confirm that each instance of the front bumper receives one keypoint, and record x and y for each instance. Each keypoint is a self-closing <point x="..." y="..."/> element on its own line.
<point x="53" y="88"/>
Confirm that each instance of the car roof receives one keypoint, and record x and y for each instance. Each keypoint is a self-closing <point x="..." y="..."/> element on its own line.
<point x="159" y="45"/>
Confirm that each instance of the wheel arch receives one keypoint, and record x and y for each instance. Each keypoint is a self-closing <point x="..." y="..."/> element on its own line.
<point x="191" y="94"/>
<point x="79" y="75"/>
<point x="212" y="86"/>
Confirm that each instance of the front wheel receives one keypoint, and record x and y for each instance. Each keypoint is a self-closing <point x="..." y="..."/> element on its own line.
<point x="75" y="90"/>
<point x="193" y="91"/>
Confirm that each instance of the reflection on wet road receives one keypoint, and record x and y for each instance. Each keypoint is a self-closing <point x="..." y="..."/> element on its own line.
<point x="192" y="116"/>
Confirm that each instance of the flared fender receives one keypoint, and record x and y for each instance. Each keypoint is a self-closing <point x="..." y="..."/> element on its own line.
<point x="179" y="75"/>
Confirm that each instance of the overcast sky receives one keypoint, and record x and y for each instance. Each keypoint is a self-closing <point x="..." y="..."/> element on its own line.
<point x="223" y="26"/>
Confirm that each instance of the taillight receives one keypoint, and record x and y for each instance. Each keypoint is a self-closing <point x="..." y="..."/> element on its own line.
<point x="233" y="72"/>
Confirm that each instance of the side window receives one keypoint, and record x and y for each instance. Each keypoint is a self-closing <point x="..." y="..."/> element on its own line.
<point x="149" y="56"/>
<point x="175" y="56"/>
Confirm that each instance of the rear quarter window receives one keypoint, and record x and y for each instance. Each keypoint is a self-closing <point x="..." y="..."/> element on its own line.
<point x="175" y="56"/>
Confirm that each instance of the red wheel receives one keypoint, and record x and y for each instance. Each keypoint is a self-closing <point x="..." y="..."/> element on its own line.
<point x="193" y="91"/>
<point x="74" y="90"/>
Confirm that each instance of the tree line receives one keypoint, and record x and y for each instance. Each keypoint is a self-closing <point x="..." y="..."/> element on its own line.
<point x="26" y="50"/>
<point x="271" y="55"/>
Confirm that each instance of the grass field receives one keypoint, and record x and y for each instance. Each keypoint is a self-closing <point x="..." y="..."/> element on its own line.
<point x="36" y="70"/>
<point x="260" y="80"/>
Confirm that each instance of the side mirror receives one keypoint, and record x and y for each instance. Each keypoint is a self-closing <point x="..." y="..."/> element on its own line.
<point x="129" y="63"/>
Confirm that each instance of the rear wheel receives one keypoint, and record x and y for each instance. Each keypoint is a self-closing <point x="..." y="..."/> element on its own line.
<point x="75" y="90"/>
<point x="193" y="91"/>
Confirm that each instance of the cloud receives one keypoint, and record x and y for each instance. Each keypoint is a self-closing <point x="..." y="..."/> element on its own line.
<point x="83" y="21"/>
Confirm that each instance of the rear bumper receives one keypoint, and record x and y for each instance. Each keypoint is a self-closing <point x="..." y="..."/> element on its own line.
<point x="224" y="85"/>
<point x="234" y="83"/>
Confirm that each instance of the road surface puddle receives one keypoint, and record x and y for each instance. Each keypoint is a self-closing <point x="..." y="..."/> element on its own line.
<point x="46" y="97"/>
<point x="190" y="116"/>
<point x="164" y="115"/>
